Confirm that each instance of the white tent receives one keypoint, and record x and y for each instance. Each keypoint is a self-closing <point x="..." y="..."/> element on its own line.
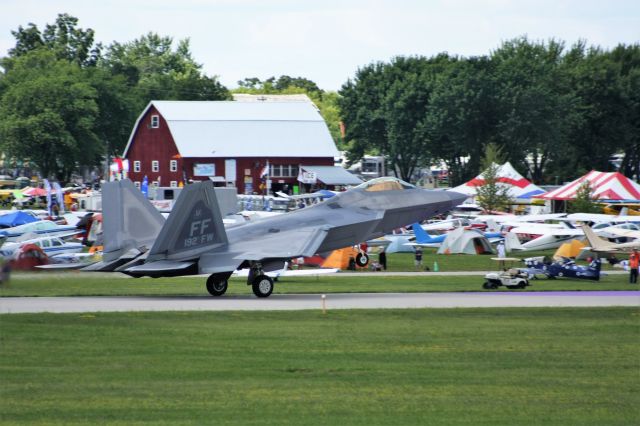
<point x="466" y="241"/>
<point x="519" y="187"/>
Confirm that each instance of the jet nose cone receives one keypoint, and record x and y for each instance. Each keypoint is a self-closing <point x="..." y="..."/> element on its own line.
<point x="456" y="198"/>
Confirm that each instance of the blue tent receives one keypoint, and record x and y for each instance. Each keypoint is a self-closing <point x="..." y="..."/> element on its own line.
<point x="14" y="219"/>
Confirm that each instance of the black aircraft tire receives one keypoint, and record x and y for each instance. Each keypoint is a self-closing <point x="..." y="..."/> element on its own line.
<point x="262" y="286"/>
<point x="215" y="287"/>
<point x="362" y="260"/>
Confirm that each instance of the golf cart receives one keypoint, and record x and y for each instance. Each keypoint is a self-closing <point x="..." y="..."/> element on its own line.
<point x="509" y="276"/>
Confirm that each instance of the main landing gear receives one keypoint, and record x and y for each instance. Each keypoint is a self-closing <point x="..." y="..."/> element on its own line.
<point x="261" y="283"/>
<point x="217" y="284"/>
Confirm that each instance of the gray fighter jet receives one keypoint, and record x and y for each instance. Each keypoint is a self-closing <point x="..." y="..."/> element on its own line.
<point x="193" y="240"/>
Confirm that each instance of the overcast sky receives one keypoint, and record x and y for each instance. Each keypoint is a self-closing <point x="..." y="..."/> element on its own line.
<point x="327" y="40"/>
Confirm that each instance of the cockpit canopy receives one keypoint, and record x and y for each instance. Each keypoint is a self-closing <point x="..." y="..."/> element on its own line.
<point x="385" y="184"/>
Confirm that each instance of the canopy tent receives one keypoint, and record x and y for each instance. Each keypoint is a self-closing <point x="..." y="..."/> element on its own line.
<point x="34" y="192"/>
<point x="519" y="187"/>
<point x="604" y="186"/>
<point x="465" y="241"/>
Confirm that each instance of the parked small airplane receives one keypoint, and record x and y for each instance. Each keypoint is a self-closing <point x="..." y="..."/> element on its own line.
<point x="546" y="236"/>
<point x="600" y="245"/>
<point x="565" y="268"/>
<point x="193" y="239"/>
<point x="40" y="227"/>
<point x="52" y="246"/>
<point x="423" y="239"/>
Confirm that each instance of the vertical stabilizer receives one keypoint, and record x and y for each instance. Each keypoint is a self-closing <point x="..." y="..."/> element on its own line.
<point x="130" y="222"/>
<point x="194" y="226"/>
<point x="511" y="242"/>
<point x="422" y="236"/>
<point x="596" y="242"/>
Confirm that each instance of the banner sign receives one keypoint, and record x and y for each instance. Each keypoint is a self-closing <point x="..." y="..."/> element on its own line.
<point x="200" y="169"/>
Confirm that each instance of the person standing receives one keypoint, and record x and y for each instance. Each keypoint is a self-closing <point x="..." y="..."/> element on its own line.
<point x="418" y="258"/>
<point x="633" y="267"/>
<point x="382" y="258"/>
<point x="502" y="253"/>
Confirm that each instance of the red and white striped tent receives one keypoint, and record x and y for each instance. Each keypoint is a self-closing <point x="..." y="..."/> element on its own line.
<point x="519" y="187"/>
<point x="604" y="186"/>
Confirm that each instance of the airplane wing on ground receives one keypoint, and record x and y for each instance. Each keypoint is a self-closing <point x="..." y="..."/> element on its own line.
<point x="629" y="233"/>
<point x="600" y="217"/>
<point x="535" y="230"/>
<point x="291" y="273"/>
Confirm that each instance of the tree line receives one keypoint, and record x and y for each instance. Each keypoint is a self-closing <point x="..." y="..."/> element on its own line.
<point x="553" y="111"/>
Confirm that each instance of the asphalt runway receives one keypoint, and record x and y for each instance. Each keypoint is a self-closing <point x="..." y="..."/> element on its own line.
<point x="314" y="301"/>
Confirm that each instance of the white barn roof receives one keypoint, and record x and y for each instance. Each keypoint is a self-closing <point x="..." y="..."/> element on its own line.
<point x="245" y="129"/>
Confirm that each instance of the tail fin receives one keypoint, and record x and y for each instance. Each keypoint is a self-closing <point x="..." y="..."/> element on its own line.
<point x="596" y="243"/>
<point x="421" y="235"/>
<point x="492" y="226"/>
<point x="512" y="242"/>
<point x="194" y="226"/>
<point x="129" y="220"/>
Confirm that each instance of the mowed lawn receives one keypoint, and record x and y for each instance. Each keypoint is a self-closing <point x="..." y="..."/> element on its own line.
<point x="91" y="284"/>
<point x="575" y="366"/>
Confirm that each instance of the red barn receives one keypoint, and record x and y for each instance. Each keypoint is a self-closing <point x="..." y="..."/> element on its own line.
<point x="231" y="143"/>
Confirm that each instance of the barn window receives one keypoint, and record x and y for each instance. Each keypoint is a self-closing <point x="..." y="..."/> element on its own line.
<point x="155" y="184"/>
<point x="136" y="166"/>
<point x="173" y="184"/>
<point x="155" y="121"/>
<point x="136" y="184"/>
<point x="173" y="165"/>
<point x="155" y="166"/>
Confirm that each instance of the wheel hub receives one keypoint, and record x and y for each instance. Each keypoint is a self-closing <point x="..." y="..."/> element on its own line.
<point x="264" y="286"/>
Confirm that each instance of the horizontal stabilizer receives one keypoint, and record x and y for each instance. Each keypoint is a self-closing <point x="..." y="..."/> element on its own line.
<point x="164" y="268"/>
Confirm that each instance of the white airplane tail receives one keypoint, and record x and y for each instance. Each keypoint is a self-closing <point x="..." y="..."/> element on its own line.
<point x="511" y="242"/>
<point x="595" y="242"/>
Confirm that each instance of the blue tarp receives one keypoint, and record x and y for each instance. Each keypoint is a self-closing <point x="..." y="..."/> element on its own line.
<point x="324" y="193"/>
<point x="14" y="219"/>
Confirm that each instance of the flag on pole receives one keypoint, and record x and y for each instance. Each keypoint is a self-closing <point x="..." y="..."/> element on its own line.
<point x="265" y="170"/>
<point x="59" y="197"/>
<point x="144" y="188"/>
<point x="47" y="187"/>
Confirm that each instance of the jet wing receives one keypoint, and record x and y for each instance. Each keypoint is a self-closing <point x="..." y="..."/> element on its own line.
<point x="284" y="244"/>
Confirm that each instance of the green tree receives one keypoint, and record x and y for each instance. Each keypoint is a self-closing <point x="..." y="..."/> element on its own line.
<point x="47" y="114"/>
<point x="535" y="105"/>
<point x="156" y="70"/>
<point x="461" y="118"/>
<point x="384" y="109"/>
<point x="584" y="201"/>
<point x="491" y="195"/>
<point x="64" y="38"/>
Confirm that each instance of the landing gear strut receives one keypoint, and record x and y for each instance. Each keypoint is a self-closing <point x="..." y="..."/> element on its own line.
<point x="261" y="284"/>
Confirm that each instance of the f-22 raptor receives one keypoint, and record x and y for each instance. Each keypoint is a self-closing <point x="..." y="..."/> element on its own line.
<point x="193" y="240"/>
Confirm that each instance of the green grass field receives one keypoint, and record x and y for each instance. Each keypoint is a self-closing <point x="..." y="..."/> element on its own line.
<point x="87" y="284"/>
<point x="403" y="367"/>
<point x="460" y="262"/>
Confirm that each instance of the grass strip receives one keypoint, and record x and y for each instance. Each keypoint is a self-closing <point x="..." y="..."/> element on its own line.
<point x="460" y="366"/>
